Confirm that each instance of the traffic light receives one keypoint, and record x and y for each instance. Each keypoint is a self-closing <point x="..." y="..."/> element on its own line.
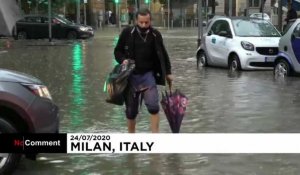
<point x="117" y="1"/>
<point x="147" y="1"/>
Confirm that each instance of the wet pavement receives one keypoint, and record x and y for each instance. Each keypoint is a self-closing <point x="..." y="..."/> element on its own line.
<point x="220" y="101"/>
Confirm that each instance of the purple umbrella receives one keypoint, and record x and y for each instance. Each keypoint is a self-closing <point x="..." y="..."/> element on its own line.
<point x="174" y="105"/>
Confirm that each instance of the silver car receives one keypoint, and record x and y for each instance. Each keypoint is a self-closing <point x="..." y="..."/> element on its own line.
<point x="288" y="60"/>
<point x="239" y="43"/>
<point x="26" y="106"/>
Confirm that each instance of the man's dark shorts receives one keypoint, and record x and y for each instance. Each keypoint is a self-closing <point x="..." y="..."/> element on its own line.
<point x="141" y="87"/>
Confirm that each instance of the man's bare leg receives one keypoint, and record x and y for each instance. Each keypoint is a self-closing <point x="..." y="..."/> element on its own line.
<point x="155" y="123"/>
<point x="131" y="125"/>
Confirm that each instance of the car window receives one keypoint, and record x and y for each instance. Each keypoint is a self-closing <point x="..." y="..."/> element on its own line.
<point x="218" y="26"/>
<point x="33" y="19"/>
<point x="45" y="20"/>
<point x="296" y="31"/>
<point x="254" y="28"/>
<point x="287" y="27"/>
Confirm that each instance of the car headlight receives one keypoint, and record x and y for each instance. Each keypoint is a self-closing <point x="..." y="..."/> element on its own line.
<point x="83" y="28"/>
<point x="39" y="90"/>
<point x="247" y="45"/>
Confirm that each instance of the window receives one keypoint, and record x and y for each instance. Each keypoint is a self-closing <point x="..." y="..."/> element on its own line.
<point x="296" y="32"/>
<point x="254" y="3"/>
<point x="219" y="26"/>
<point x="33" y="19"/>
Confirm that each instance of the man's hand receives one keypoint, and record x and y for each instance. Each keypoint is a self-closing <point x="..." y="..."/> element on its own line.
<point x="169" y="79"/>
<point x="125" y="62"/>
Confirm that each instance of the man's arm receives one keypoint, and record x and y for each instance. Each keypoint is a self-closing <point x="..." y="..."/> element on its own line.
<point x="168" y="67"/>
<point x="119" y="51"/>
<point x="166" y="56"/>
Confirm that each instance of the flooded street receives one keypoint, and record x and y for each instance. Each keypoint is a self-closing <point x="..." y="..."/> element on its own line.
<point x="219" y="102"/>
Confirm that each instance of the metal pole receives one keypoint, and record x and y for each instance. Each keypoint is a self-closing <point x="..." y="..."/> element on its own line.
<point x="84" y="12"/>
<point x="64" y="9"/>
<point x="262" y="9"/>
<point x="230" y="8"/>
<point x="49" y="20"/>
<point x="78" y="11"/>
<point x="247" y="7"/>
<point x="136" y="5"/>
<point x="119" y="15"/>
<point x="279" y="15"/>
<point x="168" y="14"/>
<point x="200" y="27"/>
<point x="206" y="11"/>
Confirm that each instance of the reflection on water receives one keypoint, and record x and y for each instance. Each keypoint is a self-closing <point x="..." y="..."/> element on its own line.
<point x="78" y="99"/>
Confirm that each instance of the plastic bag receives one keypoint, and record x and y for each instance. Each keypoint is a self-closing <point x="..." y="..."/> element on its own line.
<point x="117" y="82"/>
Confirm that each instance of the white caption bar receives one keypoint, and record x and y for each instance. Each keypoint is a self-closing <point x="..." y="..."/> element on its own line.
<point x="182" y="143"/>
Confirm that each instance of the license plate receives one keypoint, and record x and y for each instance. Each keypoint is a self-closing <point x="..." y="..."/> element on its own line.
<point x="269" y="59"/>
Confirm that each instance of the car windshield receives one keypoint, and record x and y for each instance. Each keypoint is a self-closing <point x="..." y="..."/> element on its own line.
<point x="254" y="28"/>
<point x="63" y="20"/>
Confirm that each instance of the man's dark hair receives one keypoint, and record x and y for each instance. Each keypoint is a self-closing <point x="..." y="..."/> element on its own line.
<point x="143" y="12"/>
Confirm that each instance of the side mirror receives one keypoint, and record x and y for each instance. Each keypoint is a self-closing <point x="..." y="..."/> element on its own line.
<point x="209" y="33"/>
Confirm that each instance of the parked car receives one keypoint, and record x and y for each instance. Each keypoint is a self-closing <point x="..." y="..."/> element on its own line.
<point x="26" y="106"/>
<point x="239" y="43"/>
<point x="287" y="61"/>
<point x="261" y="16"/>
<point x="37" y="26"/>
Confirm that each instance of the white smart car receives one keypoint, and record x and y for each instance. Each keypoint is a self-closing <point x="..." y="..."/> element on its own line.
<point x="239" y="43"/>
<point x="288" y="59"/>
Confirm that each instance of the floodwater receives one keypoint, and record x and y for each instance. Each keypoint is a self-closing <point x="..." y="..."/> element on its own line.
<point x="219" y="102"/>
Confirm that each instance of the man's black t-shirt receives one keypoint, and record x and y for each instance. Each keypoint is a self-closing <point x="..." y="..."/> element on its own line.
<point x="144" y="52"/>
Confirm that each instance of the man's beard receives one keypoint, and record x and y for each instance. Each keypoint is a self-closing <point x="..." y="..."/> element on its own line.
<point x="143" y="30"/>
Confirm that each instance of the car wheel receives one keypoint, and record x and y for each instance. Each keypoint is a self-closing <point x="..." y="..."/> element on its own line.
<point x="201" y="59"/>
<point x="282" y="68"/>
<point x="234" y="63"/>
<point x="22" y="35"/>
<point x="72" y="35"/>
<point x="8" y="161"/>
